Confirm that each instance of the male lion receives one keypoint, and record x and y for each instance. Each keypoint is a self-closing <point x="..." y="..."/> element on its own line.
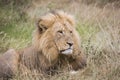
<point x="55" y="43"/>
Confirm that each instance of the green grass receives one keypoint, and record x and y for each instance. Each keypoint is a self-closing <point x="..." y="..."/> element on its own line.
<point x="15" y="31"/>
<point x="17" y="35"/>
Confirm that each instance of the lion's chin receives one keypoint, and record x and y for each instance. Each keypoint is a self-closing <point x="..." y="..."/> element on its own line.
<point x="67" y="51"/>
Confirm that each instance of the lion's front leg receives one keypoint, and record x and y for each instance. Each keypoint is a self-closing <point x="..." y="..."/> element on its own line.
<point x="78" y="61"/>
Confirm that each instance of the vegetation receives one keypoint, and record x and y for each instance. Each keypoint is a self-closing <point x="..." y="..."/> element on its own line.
<point x="99" y="28"/>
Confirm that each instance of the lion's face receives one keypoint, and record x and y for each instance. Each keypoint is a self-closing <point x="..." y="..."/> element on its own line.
<point x="63" y="34"/>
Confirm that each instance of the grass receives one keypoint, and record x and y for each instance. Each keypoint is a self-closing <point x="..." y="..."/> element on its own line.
<point x="14" y="30"/>
<point x="99" y="29"/>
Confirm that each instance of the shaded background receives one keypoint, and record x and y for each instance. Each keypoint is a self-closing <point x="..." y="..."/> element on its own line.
<point x="97" y="21"/>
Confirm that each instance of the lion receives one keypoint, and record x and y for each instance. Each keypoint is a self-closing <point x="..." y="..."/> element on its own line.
<point x="55" y="42"/>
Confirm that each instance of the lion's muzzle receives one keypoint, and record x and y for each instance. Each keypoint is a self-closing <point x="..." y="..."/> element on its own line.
<point x="67" y="51"/>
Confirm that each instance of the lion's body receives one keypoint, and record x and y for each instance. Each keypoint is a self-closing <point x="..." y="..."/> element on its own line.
<point x="55" y="40"/>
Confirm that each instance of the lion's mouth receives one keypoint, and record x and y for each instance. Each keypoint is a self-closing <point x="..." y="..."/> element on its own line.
<point x="67" y="51"/>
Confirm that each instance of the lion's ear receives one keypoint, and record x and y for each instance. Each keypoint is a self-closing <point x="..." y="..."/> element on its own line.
<point x="45" y="22"/>
<point x="41" y="26"/>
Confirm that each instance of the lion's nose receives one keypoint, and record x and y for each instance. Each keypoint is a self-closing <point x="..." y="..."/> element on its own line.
<point x="70" y="44"/>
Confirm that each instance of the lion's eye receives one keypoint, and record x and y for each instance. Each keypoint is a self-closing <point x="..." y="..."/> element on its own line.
<point x="70" y="31"/>
<point x="60" y="31"/>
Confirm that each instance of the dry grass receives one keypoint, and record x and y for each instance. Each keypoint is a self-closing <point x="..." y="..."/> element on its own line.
<point x="99" y="29"/>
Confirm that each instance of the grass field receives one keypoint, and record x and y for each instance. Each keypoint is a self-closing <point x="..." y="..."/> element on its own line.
<point x="99" y="28"/>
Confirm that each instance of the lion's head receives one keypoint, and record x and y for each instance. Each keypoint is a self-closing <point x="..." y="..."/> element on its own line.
<point x="56" y="34"/>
